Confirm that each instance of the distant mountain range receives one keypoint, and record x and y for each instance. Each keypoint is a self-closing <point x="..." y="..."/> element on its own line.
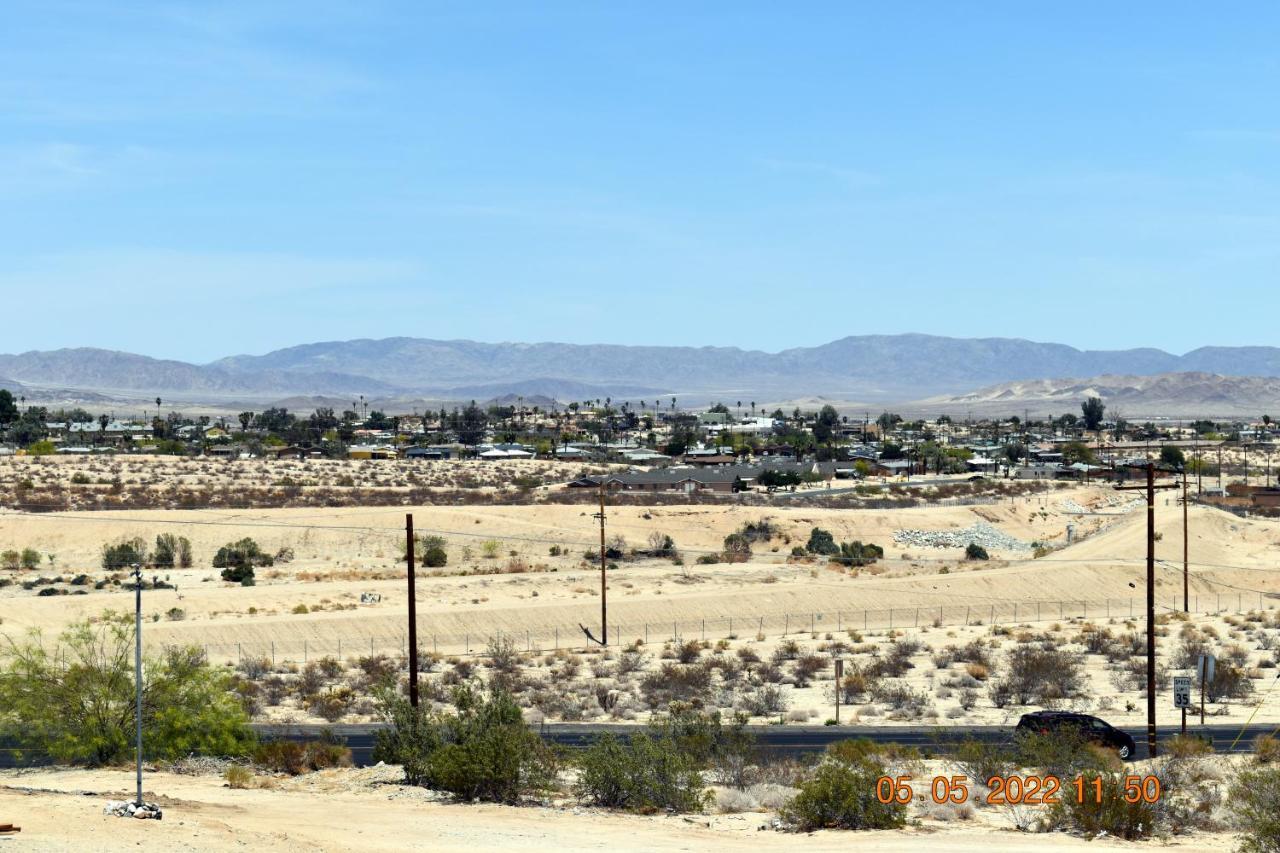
<point x="866" y="368"/>
<point x="1131" y="396"/>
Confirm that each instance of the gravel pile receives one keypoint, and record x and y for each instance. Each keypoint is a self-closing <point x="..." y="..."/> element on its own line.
<point x="128" y="808"/>
<point x="1115" y="502"/>
<point x="980" y="533"/>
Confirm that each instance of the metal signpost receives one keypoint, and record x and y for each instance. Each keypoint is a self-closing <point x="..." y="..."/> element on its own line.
<point x="839" y="679"/>
<point x="1204" y="671"/>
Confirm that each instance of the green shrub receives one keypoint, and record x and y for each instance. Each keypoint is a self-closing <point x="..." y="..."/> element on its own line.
<point x="725" y="749"/>
<point x="640" y="774"/>
<point x="238" y="777"/>
<point x="737" y="548"/>
<point x="1254" y="802"/>
<point x="435" y="557"/>
<point x="974" y="551"/>
<point x="484" y="751"/>
<point x="1266" y="749"/>
<point x="294" y="758"/>
<point x="172" y="551"/>
<point x="11" y="560"/>
<point x="1187" y="746"/>
<point x="980" y="760"/>
<point x="75" y="700"/>
<point x="238" y="559"/>
<point x="1112" y="816"/>
<point x="821" y="542"/>
<point x="1062" y="753"/>
<point x="124" y="554"/>
<point x="841" y="794"/>
<point x="30" y="558"/>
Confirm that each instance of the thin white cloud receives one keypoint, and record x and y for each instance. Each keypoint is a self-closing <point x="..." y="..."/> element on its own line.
<point x="852" y="178"/>
<point x="60" y="165"/>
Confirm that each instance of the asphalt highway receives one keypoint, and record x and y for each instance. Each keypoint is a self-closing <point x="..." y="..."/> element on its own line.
<point x="797" y="740"/>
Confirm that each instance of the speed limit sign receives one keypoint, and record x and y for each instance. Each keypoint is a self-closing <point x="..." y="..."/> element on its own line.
<point x="1182" y="691"/>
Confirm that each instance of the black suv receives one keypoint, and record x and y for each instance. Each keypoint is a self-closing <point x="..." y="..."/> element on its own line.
<point x="1090" y="728"/>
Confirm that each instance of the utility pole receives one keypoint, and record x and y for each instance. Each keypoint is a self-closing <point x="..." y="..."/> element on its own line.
<point x="1186" y="591"/>
<point x="1150" y="488"/>
<point x="604" y="565"/>
<point x="137" y="669"/>
<point x="413" y="613"/>
<point x="603" y="640"/>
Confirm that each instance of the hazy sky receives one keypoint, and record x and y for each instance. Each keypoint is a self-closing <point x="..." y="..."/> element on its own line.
<point x="201" y="180"/>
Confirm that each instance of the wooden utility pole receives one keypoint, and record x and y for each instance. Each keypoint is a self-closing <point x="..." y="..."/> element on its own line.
<point x="413" y="613"/>
<point x="1186" y="584"/>
<point x="603" y="639"/>
<point x="604" y="565"/>
<point x="1150" y="488"/>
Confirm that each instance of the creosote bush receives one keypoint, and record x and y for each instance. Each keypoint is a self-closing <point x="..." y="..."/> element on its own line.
<point x="841" y="794"/>
<point x="483" y="751"/>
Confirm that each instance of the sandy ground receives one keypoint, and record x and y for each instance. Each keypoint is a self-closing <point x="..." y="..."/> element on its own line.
<point x="311" y="607"/>
<point x="366" y="810"/>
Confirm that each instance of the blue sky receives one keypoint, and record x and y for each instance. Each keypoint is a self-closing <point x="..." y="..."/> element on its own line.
<point x="192" y="181"/>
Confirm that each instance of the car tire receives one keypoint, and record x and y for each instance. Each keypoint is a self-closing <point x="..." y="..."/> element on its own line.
<point x="1125" y="752"/>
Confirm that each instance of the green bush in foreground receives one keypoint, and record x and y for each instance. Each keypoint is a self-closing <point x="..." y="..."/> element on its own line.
<point x="1254" y="802"/>
<point x="75" y="701"/>
<point x="640" y="774"/>
<point x="1112" y="816"/>
<point x="842" y="795"/>
<point x="484" y="751"/>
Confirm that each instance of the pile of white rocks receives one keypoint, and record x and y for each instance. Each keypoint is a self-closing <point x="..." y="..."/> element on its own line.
<point x="128" y="808"/>
<point x="1120" y="504"/>
<point x="980" y="533"/>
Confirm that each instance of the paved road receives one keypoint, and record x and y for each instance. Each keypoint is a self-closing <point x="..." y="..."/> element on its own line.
<point x="783" y="740"/>
<point x="795" y="740"/>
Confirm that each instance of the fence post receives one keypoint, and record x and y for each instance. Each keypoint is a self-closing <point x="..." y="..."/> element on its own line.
<point x="864" y="621"/>
<point x="237" y="653"/>
<point x="812" y="622"/>
<point x="675" y="632"/>
<point x="786" y="629"/>
<point x="646" y="633"/>
<point x="993" y="614"/>
<point x="890" y="618"/>
<point x="917" y="617"/>
<point x="339" y="648"/>
<point x="528" y="639"/>
<point x="839" y="622"/>
<point x="730" y="626"/>
<point x="466" y="641"/>
<point x="371" y="645"/>
<point x="304" y="651"/>
<point x="273" y="652"/>
<point x="966" y="616"/>
<point x="704" y="630"/>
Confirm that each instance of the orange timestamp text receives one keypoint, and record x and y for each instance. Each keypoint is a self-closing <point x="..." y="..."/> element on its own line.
<point x="1020" y="790"/>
